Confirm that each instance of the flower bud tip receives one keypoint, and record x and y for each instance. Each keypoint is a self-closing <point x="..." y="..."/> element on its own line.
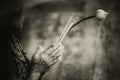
<point x="101" y="14"/>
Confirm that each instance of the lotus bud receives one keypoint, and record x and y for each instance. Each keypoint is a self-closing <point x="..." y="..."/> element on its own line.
<point x="101" y="14"/>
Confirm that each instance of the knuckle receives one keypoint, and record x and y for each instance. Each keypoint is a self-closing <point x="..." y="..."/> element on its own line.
<point x="55" y="61"/>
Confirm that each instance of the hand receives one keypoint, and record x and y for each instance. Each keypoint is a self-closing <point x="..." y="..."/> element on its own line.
<point x="43" y="60"/>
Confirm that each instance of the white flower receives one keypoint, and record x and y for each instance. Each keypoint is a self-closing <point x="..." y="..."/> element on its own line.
<point x="101" y="14"/>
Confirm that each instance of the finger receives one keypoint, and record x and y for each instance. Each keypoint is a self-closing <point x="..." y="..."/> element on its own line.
<point x="55" y="52"/>
<point x="59" y="49"/>
<point x="60" y="52"/>
<point x="59" y="55"/>
<point x="51" y="46"/>
<point x="49" y="51"/>
<point x="56" y="46"/>
<point x="54" y="62"/>
<point x="55" y="57"/>
<point x="60" y="46"/>
<point x="60" y="58"/>
<point x="52" y="49"/>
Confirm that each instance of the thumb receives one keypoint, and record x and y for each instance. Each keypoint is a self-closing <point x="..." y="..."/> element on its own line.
<point x="40" y="49"/>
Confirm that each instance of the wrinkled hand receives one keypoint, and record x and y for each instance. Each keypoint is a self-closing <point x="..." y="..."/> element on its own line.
<point x="43" y="60"/>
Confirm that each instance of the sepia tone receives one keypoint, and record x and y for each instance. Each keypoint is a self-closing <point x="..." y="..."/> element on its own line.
<point x="91" y="49"/>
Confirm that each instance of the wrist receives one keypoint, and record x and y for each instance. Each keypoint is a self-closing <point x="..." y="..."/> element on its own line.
<point x="33" y="75"/>
<point x="38" y="70"/>
<point x="37" y="73"/>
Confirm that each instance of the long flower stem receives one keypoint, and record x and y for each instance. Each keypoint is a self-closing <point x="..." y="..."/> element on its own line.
<point x="90" y="17"/>
<point x="71" y="25"/>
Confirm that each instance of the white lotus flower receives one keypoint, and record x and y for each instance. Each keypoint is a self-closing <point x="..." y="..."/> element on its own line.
<point x="101" y="14"/>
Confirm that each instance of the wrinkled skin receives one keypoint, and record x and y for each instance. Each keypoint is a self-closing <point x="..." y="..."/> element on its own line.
<point x="43" y="60"/>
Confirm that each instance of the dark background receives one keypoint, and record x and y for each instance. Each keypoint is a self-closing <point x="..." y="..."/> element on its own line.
<point x="89" y="54"/>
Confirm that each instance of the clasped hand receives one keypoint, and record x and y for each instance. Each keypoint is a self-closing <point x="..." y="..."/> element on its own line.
<point x="43" y="60"/>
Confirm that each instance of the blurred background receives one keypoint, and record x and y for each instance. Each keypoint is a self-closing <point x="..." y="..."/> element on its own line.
<point x="91" y="49"/>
